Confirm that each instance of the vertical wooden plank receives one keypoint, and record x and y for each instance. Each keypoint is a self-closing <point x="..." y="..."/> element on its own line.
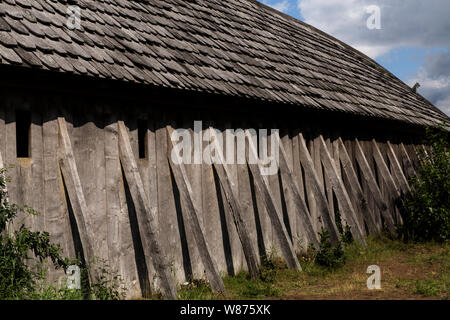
<point x="229" y="185"/>
<point x="264" y="217"/>
<point x="358" y="196"/>
<point x="301" y="240"/>
<point x="262" y="185"/>
<point x="194" y="174"/>
<point x="328" y="184"/>
<point x="295" y="197"/>
<point x="76" y="194"/>
<point x="310" y="192"/>
<point x="345" y="205"/>
<point x="168" y="215"/>
<point x="237" y="247"/>
<point x="316" y="187"/>
<point x="10" y="157"/>
<point x="372" y="184"/>
<point x="274" y="184"/>
<point x="37" y="184"/>
<point x="397" y="169"/>
<point x="88" y="146"/>
<point x="407" y="162"/>
<point x="3" y="106"/>
<point x="385" y="173"/>
<point x="211" y="211"/>
<point x="54" y="197"/>
<point x="119" y="239"/>
<point x="288" y="193"/>
<point x="186" y="193"/>
<point x="147" y="224"/>
<point x="248" y="205"/>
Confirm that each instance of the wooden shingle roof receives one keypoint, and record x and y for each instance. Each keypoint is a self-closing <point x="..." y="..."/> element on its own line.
<point x="235" y="47"/>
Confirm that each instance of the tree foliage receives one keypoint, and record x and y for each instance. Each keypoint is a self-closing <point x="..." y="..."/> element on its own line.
<point x="426" y="211"/>
<point x="17" y="277"/>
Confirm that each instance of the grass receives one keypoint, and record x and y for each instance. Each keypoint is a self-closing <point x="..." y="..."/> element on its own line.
<point x="409" y="271"/>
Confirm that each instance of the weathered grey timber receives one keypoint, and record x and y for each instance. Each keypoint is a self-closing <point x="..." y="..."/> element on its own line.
<point x="146" y="218"/>
<point x="397" y="169"/>
<point x="407" y="162"/>
<point x="75" y="190"/>
<point x="232" y="198"/>
<point x="317" y="189"/>
<point x="355" y="189"/>
<point x="262" y="186"/>
<point x="186" y="191"/>
<point x="306" y="225"/>
<point x="348" y="213"/>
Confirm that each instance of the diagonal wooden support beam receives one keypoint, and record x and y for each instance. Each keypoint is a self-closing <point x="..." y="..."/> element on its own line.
<point x="2" y="166"/>
<point x="146" y="219"/>
<point x="287" y="176"/>
<point x="75" y="191"/>
<point x="397" y="169"/>
<point x="367" y="174"/>
<point x="274" y="212"/>
<point x="409" y="166"/>
<point x="356" y="190"/>
<point x="344" y="202"/>
<point x="232" y="197"/>
<point x="385" y="173"/>
<point x="313" y="180"/>
<point x="186" y="192"/>
<point x="393" y="188"/>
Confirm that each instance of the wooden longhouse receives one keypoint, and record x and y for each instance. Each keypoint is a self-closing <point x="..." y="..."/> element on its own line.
<point x="86" y="117"/>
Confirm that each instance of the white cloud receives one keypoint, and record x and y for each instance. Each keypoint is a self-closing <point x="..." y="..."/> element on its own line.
<point x="282" y="6"/>
<point x="404" y="23"/>
<point x="434" y="79"/>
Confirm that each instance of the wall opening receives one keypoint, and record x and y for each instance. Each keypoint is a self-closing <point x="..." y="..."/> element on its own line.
<point x="23" y="133"/>
<point x="142" y="138"/>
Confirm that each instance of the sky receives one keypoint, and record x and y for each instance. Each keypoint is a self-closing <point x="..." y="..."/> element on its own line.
<point x="410" y="38"/>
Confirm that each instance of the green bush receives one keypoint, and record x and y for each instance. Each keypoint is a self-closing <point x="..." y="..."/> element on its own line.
<point x="327" y="255"/>
<point x="426" y="211"/>
<point x="17" y="279"/>
<point x="22" y="268"/>
<point x="108" y="284"/>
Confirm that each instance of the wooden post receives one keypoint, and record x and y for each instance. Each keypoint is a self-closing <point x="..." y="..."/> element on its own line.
<point x="74" y="189"/>
<point x="299" y="234"/>
<point x="146" y="219"/>
<point x="233" y="201"/>
<point x="316" y="188"/>
<point x="356" y="190"/>
<point x="287" y="176"/>
<point x="409" y="166"/>
<point x="397" y="169"/>
<point x="2" y="166"/>
<point x="262" y="186"/>
<point x="385" y="174"/>
<point x="373" y="186"/>
<point x="345" y="204"/>
<point x="186" y="193"/>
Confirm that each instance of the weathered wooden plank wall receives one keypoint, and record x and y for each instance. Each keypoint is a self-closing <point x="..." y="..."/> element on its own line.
<point x="193" y="210"/>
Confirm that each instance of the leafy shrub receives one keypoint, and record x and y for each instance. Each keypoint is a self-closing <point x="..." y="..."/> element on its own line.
<point x="426" y="211"/>
<point x="344" y="232"/>
<point x="22" y="255"/>
<point x="268" y="268"/>
<point x="327" y="255"/>
<point x="108" y="284"/>
<point x="17" y="279"/>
